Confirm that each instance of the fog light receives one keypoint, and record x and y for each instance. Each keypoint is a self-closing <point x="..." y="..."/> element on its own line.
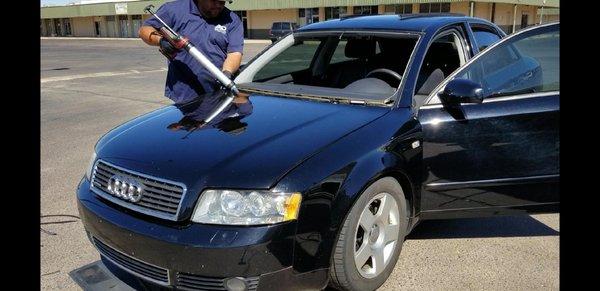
<point x="235" y="284"/>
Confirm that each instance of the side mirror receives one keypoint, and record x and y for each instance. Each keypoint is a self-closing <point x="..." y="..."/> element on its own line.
<point x="460" y="91"/>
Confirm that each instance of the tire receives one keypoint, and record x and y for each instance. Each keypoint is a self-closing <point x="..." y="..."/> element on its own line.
<point x="354" y="243"/>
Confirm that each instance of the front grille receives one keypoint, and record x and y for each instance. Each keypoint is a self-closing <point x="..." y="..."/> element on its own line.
<point x="193" y="282"/>
<point x="160" y="198"/>
<point x="142" y="269"/>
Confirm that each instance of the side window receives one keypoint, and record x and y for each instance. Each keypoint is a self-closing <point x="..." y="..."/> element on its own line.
<point x="444" y="56"/>
<point x="526" y="63"/>
<point x="484" y="37"/>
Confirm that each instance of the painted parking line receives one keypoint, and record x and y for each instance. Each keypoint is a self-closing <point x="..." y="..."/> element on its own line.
<point x="96" y="75"/>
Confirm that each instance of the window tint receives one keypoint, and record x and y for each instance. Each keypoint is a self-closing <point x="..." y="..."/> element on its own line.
<point x="484" y="37"/>
<point x="527" y="63"/>
<point x="277" y="25"/>
<point x="294" y="59"/>
<point x="442" y="58"/>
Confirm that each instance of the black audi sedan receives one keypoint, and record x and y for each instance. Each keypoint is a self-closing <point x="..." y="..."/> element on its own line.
<point x="346" y="135"/>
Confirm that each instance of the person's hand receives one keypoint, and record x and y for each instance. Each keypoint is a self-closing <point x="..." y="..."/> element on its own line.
<point x="167" y="48"/>
<point x="228" y="74"/>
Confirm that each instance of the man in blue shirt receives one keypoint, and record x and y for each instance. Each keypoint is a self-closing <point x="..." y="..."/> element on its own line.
<point x="215" y="30"/>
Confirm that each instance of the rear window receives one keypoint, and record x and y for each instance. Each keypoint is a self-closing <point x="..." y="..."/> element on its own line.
<point x="484" y="37"/>
<point x="276" y="25"/>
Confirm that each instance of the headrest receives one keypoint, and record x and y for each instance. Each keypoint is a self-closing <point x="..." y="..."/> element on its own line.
<point x="360" y="48"/>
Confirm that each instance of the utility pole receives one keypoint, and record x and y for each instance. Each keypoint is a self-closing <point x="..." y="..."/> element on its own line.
<point x="471" y="12"/>
<point x="542" y="13"/>
<point x="514" y="18"/>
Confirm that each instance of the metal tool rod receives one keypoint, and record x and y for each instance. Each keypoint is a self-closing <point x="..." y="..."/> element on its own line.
<point x="228" y="83"/>
<point x="226" y="102"/>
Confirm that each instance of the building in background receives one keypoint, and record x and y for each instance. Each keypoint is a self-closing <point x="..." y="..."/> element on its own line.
<point x="108" y="18"/>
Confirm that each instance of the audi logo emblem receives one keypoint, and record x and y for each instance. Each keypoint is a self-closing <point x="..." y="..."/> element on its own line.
<point x="124" y="188"/>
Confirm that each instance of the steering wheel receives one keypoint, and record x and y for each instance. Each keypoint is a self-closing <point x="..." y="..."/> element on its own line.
<point x="387" y="72"/>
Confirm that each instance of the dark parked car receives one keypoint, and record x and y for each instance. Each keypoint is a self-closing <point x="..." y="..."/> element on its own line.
<point x="347" y="134"/>
<point x="281" y="29"/>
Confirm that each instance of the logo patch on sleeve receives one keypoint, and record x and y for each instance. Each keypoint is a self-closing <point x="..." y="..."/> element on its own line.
<point x="220" y="28"/>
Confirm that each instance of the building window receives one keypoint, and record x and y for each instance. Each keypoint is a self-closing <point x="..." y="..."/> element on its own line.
<point x="434" y="7"/>
<point x="399" y="9"/>
<point x="365" y="9"/>
<point x="67" y="25"/>
<point x="311" y="15"/>
<point x="335" y="12"/>
<point x="57" y="27"/>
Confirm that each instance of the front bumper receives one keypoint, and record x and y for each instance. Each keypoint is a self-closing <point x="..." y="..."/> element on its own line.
<point x="144" y="247"/>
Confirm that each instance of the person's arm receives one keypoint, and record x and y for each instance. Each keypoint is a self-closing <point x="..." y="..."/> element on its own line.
<point x="232" y="62"/>
<point x="235" y="48"/>
<point x="150" y="35"/>
<point x="149" y="32"/>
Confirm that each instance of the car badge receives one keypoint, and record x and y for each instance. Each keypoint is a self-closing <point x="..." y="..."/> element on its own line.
<point x="125" y="188"/>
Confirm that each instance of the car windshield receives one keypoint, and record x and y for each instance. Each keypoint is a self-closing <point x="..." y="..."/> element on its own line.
<point x="343" y="66"/>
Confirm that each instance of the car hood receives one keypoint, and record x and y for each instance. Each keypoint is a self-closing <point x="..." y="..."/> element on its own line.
<point x="259" y="143"/>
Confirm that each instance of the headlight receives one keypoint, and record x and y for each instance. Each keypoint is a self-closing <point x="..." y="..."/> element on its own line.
<point x="90" y="167"/>
<point x="246" y="207"/>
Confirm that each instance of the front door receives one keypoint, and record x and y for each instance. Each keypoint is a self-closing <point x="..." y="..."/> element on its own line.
<point x="500" y="155"/>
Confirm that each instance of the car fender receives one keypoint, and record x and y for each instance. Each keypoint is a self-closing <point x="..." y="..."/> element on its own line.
<point x="333" y="179"/>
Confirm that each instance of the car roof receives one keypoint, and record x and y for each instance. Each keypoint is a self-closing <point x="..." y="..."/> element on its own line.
<point x="404" y="22"/>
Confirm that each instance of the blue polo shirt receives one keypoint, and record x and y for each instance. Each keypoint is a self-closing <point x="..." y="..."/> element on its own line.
<point x="215" y="38"/>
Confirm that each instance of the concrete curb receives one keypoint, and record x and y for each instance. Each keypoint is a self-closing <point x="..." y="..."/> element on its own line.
<point x="249" y="41"/>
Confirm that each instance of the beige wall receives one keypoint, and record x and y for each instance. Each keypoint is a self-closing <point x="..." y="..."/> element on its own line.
<point x="82" y="26"/>
<point x="529" y="10"/>
<point x="547" y="18"/>
<point x="504" y="14"/>
<point x="263" y="19"/>
<point x="460" y="7"/>
<point x="321" y="13"/>
<point x="483" y="10"/>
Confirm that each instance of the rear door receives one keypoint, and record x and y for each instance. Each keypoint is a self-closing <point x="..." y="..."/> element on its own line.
<point x="503" y="154"/>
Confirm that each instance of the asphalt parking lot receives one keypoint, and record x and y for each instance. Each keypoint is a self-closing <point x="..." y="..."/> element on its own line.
<point x="90" y="86"/>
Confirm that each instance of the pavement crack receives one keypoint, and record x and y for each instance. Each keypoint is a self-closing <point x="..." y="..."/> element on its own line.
<point x="51" y="273"/>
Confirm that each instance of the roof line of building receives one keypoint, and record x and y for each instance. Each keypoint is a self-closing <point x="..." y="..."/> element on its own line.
<point x="136" y="7"/>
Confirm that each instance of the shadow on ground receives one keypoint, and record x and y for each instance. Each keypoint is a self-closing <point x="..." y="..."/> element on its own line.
<point x="508" y="226"/>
